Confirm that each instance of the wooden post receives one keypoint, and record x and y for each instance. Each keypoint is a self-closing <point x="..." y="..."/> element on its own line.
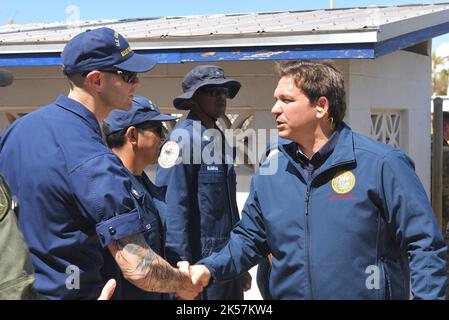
<point x="437" y="160"/>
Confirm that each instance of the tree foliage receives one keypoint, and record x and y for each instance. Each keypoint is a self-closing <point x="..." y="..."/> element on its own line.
<point x="440" y="75"/>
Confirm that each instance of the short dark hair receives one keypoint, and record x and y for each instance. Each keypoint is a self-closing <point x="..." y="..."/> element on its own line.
<point x="76" y="80"/>
<point x="113" y="140"/>
<point x="318" y="79"/>
<point x="117" y="139"/>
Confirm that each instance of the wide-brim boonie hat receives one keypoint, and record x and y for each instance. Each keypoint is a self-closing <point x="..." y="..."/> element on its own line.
<point x="201" y="76"/>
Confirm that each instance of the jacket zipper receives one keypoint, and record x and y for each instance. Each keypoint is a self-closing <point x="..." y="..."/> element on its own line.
<point x="308" y="224"/>
<point x="309" y="243"/>
<point x="386" y="286"/>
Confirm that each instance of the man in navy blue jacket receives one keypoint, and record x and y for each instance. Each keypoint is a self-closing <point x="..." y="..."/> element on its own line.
<point x="201" y="191"/>
<point x="136" y="137"/>
<point x="344" y="216"/>
<point x="75" y="195"/>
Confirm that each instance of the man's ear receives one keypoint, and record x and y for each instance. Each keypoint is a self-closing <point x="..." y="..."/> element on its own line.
<point x="322" y="106"/>
<point x="131" y="134"/>
<point x="94" y="80"/>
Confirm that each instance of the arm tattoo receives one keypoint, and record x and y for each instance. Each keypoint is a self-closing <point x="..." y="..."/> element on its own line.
<point x="144" y="268"/>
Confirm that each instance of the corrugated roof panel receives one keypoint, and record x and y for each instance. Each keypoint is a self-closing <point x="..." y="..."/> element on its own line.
<point x="238" y="24"/>
<point x="304" y="30"/>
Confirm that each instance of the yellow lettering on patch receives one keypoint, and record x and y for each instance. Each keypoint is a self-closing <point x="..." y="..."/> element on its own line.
<point x="126" y="51"/>
<point x="117" y="41"/>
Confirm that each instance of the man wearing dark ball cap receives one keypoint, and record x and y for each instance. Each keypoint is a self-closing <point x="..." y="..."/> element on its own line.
<point x="75" y="195"/>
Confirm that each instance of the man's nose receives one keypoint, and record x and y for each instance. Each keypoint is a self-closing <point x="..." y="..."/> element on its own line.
<point x="276" y="109"/>
<point x="222" y="97"/>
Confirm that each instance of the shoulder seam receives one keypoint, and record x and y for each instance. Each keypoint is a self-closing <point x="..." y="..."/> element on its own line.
<point x="89" y="159"/>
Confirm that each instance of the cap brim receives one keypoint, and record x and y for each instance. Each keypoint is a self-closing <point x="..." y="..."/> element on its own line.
<point x="233" y="86"/>
<point x="164" y="117"/>
<point x="160" y="117"/>
<point x="137" y="63"/>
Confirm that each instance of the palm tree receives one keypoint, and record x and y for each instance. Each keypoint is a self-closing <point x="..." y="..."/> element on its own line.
<point x="439" y="75"/>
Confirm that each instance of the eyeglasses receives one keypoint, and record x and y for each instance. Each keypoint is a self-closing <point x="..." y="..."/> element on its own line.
<point x="127" y="76"/>
<point x="215" y="91"/>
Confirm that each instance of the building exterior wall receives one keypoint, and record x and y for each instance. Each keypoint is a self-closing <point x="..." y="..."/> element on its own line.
<point x="399" y="82"/>
<point x="396" y="82"/>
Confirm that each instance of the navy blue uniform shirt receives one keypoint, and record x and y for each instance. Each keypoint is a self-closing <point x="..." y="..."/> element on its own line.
<point x="75" y="196"/>
<point x="154" y="201"/>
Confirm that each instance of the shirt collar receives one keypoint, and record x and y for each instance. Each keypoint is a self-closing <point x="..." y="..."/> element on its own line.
<point x="193" y="116"/>
<point x="80" y="110"/>
<point x="321" y="155"/>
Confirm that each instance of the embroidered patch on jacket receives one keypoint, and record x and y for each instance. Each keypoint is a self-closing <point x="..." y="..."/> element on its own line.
<point x="343" y="182"/>
<point x="169" y="155"/>
<point x="5" y="201"/>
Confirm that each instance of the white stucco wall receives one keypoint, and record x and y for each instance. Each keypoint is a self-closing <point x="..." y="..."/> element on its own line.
<point x="399" y="81"/>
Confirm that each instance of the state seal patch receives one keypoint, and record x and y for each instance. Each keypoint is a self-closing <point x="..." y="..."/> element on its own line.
<point x="343" y="182"/>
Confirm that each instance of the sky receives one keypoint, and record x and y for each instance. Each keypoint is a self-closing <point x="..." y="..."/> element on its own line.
<point x="26" y="11"/>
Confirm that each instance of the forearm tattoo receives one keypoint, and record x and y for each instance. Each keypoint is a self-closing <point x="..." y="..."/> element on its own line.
<point x="144" y="268"/>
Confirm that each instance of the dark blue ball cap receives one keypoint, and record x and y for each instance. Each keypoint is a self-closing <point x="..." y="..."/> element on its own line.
<point x="142" y="110"/>
<point x="100" y="49"/>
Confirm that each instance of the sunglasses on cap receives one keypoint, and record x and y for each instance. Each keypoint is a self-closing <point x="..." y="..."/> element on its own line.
<point x="127" y="76"/>
<point x="215" y="91"/>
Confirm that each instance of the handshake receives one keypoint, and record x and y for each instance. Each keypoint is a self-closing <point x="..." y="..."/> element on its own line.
<point x="198" y="277"/>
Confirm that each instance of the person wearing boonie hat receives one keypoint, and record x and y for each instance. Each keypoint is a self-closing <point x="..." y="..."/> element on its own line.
<point x="136" y="137"/>
<point x="75" y="195"/>
<point x="201" y="198"/>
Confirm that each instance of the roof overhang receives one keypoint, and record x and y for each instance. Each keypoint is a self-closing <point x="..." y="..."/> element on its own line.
<point x="367" y="42"/>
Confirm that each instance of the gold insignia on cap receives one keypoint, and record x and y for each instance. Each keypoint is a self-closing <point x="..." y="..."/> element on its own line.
<point x="116" y="38"/>
<point x="151" y="104"/>
<point x="5" y="199"/>
<point x="126" y="51"/>
<point x="343" y="182"/>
